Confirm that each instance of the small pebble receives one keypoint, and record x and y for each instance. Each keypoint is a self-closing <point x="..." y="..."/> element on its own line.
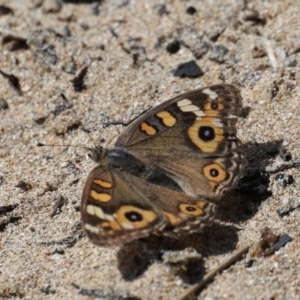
<point x="293" y="63"/>
<point x="173" y="47"/>
<point x="5" y="10"/>
<point x="189" y="69"/>
<point x="218" y="54"/>
<point x="191" y="10"/>
<point x="3" y="104"/>
<point x="162" y="10"/>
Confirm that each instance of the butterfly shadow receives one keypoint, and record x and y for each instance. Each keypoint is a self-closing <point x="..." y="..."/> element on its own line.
<point x="185" y="255"/>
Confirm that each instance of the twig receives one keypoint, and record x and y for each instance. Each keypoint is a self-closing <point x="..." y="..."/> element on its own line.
<point x="285" y="166"/>
<point x="271" y="55"/>
<point x="194" y="288"/>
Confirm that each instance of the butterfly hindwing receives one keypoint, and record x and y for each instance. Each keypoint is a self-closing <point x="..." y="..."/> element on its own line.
<point x="118" y="208"/>
<point x="113" y="212"/>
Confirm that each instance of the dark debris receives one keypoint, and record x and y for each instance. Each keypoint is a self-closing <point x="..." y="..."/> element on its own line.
<point x="189" y="69"/>
<point x="191" y="10"/>
<point x="5" y="10"/>
<point x="3" y="104"/>
<point x="9" y="220"/>
<point x="14" y="42"/>
<point x="173" y="47"/>
<point x="13" y="81"/>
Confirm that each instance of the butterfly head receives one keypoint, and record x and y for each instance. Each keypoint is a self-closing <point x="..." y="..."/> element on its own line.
<point x="96" y="154"/>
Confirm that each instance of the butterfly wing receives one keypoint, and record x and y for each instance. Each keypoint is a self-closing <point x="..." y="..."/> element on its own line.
<point x="118" y="207"/>
<point x="192" y="138"/>
<point x="210" y="103"/>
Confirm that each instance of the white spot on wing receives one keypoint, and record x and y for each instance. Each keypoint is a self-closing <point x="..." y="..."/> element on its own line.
<point x="90" y="209"/>
<point x="91" y="228"/>
<point x="127" y="225"/>
<point x="191" y="108"/>
<point x="187" y="106"/>
<point x="97" y="211"/>
<point x="199" y="113"/>
<point x="183" y="102"/>
<point x="215" y="123"/>
<point x="213" y="95"/>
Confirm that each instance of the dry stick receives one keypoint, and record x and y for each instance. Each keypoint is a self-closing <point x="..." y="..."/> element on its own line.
<point x="295" y="163"/>
<point x="194" y="288"/>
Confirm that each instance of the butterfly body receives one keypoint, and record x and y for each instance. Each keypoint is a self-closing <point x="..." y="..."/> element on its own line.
<point x="166" y="170"/>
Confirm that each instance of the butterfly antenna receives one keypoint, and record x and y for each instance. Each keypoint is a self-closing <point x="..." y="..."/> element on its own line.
<point x="79" y="120"/>
<point x="69" y="146"/>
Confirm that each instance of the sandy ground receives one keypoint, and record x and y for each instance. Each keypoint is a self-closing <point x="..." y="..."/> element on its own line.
<point x="253" y="44"/>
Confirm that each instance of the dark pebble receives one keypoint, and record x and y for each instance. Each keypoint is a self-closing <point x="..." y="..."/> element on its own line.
<point x="189" y="69"/>
<point x="5" y="10"/>
<point x="3" y="104"/>
<point x="191" y="10"/>
<point x="293" y="63"/>
<point x="173" y="47"/>
<point x="162" y="10"/>
<point x="284" y="239"/>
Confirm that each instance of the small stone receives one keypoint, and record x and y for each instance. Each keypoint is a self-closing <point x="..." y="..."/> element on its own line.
<point x="216" y="32"/>
<point x="13" y="81"/>
<point x="13" y="43"/>
<point x="5" y="10"/>
<point x="191" y="10"/>
<point x="258" y="52"/>
<point x="189" y="69"/>
<point x="253" y="16"/>
<point x="173" y="47"/>
<point x="23" y="185"/>
<point x="250" y="15"/>
<point x="284" y="239"/>
<point x="52" y="6"/>
<point x="288" y="180"/>
<point x="284" y="179"/>
<point x="200" y="48"/>
<point x="162" y="10"/>
<point x="3" y="104"/>
<point x="41" y="48"/>
<point x="40" y="120"/>
<point x="285" y="143"/>
<point x="250" y="263"/>
<point x="95" y="8"/>
<point x="290" y="206"/>
<point x="78" y="79"/>
<point x="67" y="32"/>
<point x="218" y="54"/>
<point x="279" y="176"/>
<point x="293" y="63"/>
<point x="283" y="153"/>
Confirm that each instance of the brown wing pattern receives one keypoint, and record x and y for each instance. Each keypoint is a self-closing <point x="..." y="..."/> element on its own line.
<point x="118" y="208"/>
<point x="193" y="138"/>
<point x="167" y="167"/>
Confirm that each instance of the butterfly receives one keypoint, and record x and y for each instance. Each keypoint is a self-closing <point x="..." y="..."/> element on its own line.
<point x="167" y="170"/>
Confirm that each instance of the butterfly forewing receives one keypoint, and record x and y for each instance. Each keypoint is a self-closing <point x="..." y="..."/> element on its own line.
<point x="213" y="103"/>
<point x="192" y="137"/>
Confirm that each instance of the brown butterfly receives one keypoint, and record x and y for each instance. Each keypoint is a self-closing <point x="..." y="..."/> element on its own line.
<point x="166" y="170"/>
